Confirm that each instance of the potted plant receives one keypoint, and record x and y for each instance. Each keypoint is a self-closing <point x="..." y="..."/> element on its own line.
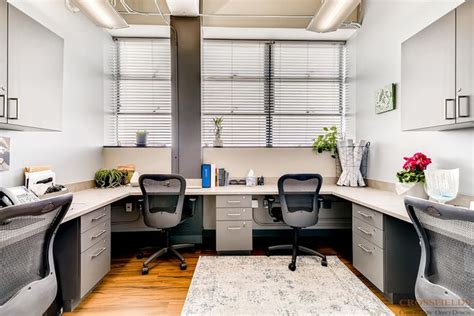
<point x="141" y="138"/>
<point x="411" y="180"/>
<point x="105" y="178"/>
<point x="326" y="142"/>
<point x="218" y="142"/>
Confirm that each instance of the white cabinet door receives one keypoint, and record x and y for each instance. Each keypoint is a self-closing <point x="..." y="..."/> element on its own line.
<point x="3" y="60"/>
<point x="35" y="73"/>
<point x="465" y="62"/>
<point x="428" y="93"/>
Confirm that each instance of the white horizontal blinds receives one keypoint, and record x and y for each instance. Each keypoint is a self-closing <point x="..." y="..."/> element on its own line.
<point x="233" y="88"/>
<point x="141" y="92"/>
<point x="308" y="91"/>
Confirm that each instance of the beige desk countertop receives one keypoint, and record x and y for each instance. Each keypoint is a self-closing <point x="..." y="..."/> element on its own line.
<point x="383" y="201"/>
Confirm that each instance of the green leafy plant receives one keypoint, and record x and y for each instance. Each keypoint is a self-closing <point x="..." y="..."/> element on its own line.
<point x="218" y="121"/>
<point x="105" y="178"/>
<point x="326" y="142"/>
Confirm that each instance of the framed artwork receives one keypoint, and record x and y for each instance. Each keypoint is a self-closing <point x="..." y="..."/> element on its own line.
<point x="385" y="99"/>
<point x="4" y="153"/>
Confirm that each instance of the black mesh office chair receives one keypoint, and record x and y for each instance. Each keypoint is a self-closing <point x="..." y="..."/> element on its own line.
<point x="28" y="284"/>
<point x="163" y="202"/>
<point x="445" y="282"/>
<point x="299" y="199"/>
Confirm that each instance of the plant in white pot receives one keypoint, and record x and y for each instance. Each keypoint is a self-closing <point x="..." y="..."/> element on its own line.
<point x="411" y="180"/>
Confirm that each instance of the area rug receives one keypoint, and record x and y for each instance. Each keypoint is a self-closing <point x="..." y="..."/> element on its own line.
<point x="260" y="285"/>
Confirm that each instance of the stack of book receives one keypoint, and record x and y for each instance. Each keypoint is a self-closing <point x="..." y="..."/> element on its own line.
<point x="212" y="176"/>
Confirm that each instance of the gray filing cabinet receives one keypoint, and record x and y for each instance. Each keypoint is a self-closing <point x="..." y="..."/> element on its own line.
<point x="386" y="251"/>
<point x="234" y="223"/>
<point x="83" y="253"/>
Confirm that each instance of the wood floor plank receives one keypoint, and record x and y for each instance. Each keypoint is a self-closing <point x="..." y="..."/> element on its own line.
<point x="124" y="291"/>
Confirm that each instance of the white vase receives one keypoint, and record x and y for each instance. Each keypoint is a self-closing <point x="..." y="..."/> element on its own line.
<point x="218" y="142"/>
<point x="416" y="189"/>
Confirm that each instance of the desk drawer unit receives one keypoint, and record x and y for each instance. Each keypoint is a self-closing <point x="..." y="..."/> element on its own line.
<point x="234" y="201"/>
<point x="367" y="215"/>
<point x="233" y="214"/>
<point x="234" y="235"/>
<point x="95" y="264"/>
<point x="91" y="219"/>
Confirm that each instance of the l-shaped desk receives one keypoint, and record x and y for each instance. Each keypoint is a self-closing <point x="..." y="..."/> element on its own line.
<point x="384" y="244"/>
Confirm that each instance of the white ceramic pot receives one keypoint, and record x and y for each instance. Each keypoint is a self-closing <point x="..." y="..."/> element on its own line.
<point x="416" y="189"/>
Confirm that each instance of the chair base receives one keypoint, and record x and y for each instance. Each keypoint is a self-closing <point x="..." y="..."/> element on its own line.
<point x="172" y="249"/>
<point x="295" y="248"/>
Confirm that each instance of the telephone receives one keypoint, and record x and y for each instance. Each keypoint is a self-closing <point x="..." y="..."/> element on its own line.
<point x="16" y="195"/>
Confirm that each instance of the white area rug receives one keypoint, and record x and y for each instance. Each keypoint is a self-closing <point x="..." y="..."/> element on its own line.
<point x="260" y="285"/>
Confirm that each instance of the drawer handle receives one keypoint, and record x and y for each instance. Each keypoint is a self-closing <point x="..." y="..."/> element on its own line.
<point x="364" y="231"/>
<point x="234" y="228"/>
<point x="99" y="252"/>
<point x="365" y="215"/>
<point x="365" y="249"/>
<point x="234" y="214"/>
<point x="233" y="202"/>
<point x="98" y="234"/>
<point x="98" y="217"/>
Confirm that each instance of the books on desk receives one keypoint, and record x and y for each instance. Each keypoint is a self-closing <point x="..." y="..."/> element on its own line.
<point x="212" y="176"/>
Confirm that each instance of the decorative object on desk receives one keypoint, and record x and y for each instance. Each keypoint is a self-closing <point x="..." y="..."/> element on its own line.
<point x="326" y="142"/>
<point x="353" y="159"/>
<point x="134" y="181"/>
<point x="141" y="138"/>
<point x="4" y="153"/>
<point x="442" y="185"/>
<point x="105" y="178"/>
<point x="261" y="180"/>
<point x="412" y="178"/>
<point x="250" y="180"/>
<point x="127" y="171"/>
<point x="218" y="121"/>
<point x="385" y="99"/>
<point x="222" y="285"/>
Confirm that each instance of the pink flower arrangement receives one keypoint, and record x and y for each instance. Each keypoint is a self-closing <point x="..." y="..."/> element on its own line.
<point x="418" y="162"/>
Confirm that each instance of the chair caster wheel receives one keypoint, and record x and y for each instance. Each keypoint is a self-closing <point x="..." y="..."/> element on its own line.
<point x="183" y="266"/>
<point x="267" y="253"/>
<point x="144" y="270"/>
<point x="324" y="263"/>
<point x="292" y="266"/>
<point x="140" y="256"/>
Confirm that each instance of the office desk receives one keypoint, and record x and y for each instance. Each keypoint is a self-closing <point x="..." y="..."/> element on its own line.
<point x="385" y="245"/>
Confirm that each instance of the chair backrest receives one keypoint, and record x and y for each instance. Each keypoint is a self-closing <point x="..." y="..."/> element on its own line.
<point x="163" y="197"/>
<point x="299" y="198"/>
<point x="445" y="279"/>
<point x="28" y="283"/>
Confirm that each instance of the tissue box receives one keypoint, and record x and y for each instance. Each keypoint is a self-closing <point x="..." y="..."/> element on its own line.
<point x="251" y="181"/>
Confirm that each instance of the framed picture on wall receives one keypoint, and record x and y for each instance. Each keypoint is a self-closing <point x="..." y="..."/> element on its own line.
<point x="4" y="153"/>
<point x="385" y="99"/>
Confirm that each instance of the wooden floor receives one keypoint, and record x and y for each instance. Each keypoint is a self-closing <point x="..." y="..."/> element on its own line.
<point x="163" y="291"/>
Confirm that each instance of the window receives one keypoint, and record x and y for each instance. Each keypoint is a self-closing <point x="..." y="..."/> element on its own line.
<point x="272" y="93"/>
<point x="141" y="92"/>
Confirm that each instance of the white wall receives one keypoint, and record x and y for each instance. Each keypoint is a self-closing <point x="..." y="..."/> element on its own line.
<point x="146" y="160"/>
<point x="378" y="47"/>
<point x="76" y="152"/>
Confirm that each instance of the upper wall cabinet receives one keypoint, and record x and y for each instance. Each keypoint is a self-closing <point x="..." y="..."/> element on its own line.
<point x="437" y="70"/>
<point x="34" y="87"/>
<point x="3" y="61"/>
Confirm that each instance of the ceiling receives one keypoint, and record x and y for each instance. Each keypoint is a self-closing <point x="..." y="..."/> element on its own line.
<point x="235" y="13"/>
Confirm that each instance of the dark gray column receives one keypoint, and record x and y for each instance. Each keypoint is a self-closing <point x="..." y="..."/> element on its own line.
<point x="186" y="96"/>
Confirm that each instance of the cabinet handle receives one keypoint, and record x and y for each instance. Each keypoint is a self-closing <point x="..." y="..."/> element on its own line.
<point x="365" y="215"/>
<point x="463" y="100"/>
<point x="98" y="234"/>
<point x="16" y="109"/>
<point x="98" y="217"/>
<point x="233" y="214"/>
<point x="233" y="202"/>
<point x="363" y="248"/>
<point x="234" y="228"/>
<point x="364" y="231"/>
<point x="453" y="105"/>
<point x="4" y="104"/>
<point x="99" y="252"/>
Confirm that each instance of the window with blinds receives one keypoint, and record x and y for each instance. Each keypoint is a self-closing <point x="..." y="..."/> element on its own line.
<point x="279" y="93"/>
<point x="141" y="92"/>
